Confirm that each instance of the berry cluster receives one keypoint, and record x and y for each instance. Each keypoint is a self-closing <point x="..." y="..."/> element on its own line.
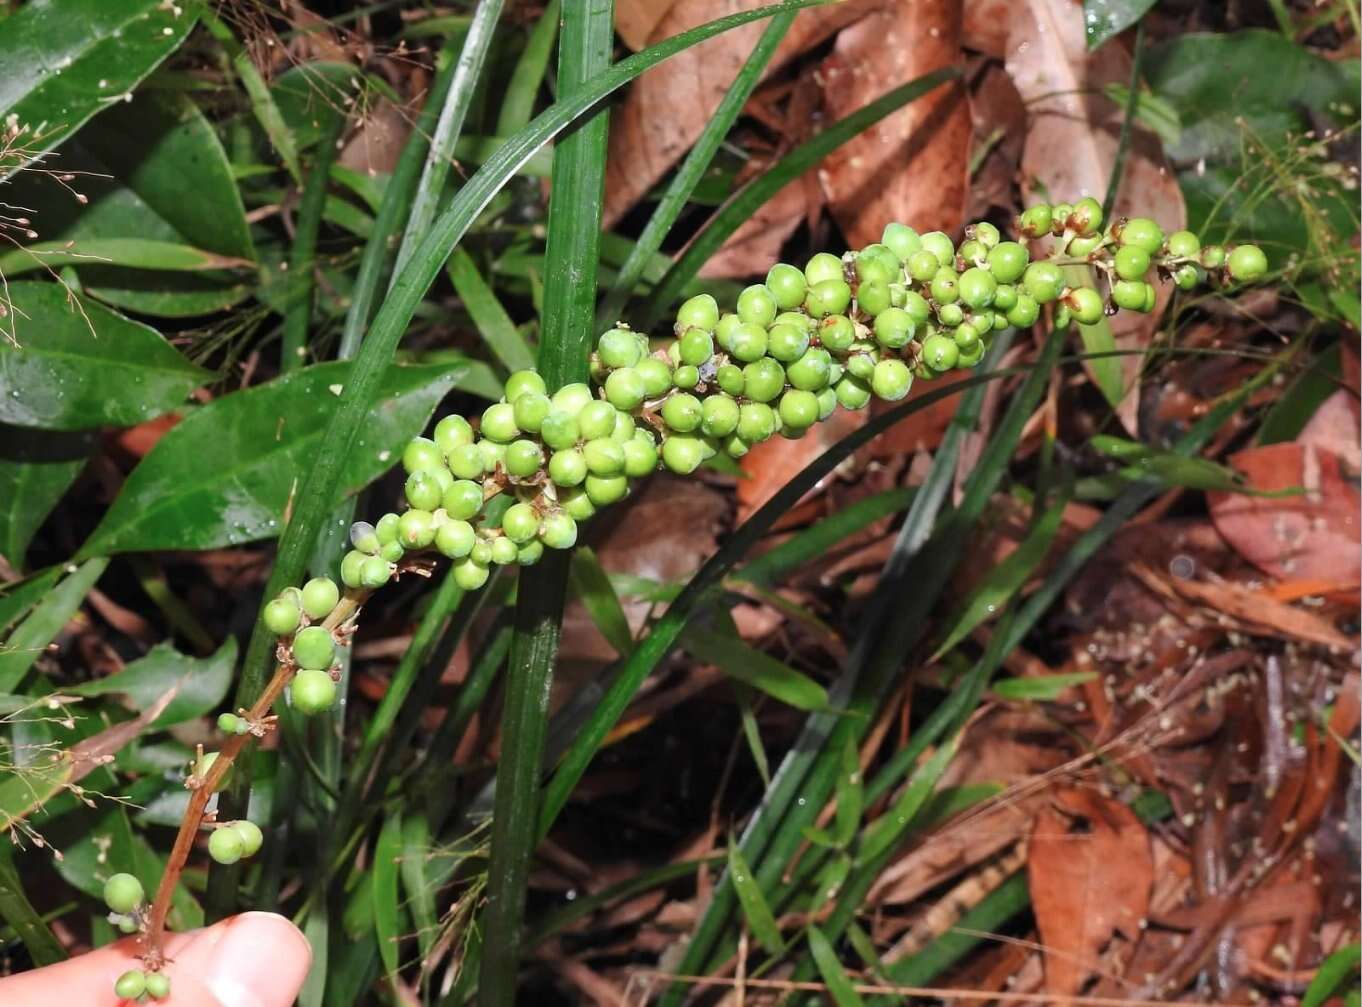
<point x="124" y="896"/>
<point x="839" y="332"/>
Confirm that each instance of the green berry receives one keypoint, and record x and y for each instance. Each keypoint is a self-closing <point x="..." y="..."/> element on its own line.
<point x="945" y="286"/>
<point x="972" y="250"/>
<point x="1063" y="316"/>
<point x="1007" y="262"/>
<point x="787" y="342"/>
<point x="558" y="531"/>
<point x="204" y="764"/>
<point x="391" y="553"/>
<point x="1183" y="245"/>
<point x="873" y="297"/>
<point x="575" y="503"/>
<point x="462" y="500"/>
<point x="683" y="454"/>
<point x="697" y="346"/>
<point x="455" y="538"/>
<point x="757" y="305"/>
<point x="735" y="447"/>
<point x="567" y="467"/>
<point x="730" y="379"/>
<point x="836" y="333"/>
<point x="504" y="552"/>
<point x="1024" y="313"/>
<point x="862" y="364"/>
<point x="880" y="262"/>
<point x="422" y="490"/>
<point x="1086" y="305"/>
<point x="1035" y="221"/>
<point x="940" y="353"/>
<point x="498" y="423"/>
<point x="225" y="845"/>
<point x="683" y="413"/>
<point x="891" y="379"/>
<point x="364" y="536"/>
<point x="1151" y="298"/>
<point x="524" y="458"/>
<point x="796" y="318"/>
<point x="312" y="691"/>
<point x="1213" y="256"/>
<point x="719" y="415"/>
<point x="313" y="647"/>
<point x="756" y="422"/>
<point x="130" y="985"/>
<point x="470" y="575"/>
<point x="520" y="523"/>
<point x="1005" y="297"/>
<point x="950" y="314"/>
<point x="852" y="392"/>
<point x="1187" y="276"/>
<point x="1086" y="216"/>
<point x="560" y="430"/>
<point x="1128" y="294"/>
<point x="902" y="240"/>
<point x="1247" y="263"/>
<point x="811" y="371"/>
<point x="420" y="454"/>
<point x="700" y="311"/>
<point x="451" y="432"/>
<point x="964" y="336"/>
<point x="281" y="616"/>
<point x="1059" y="218"/>
<point x="597" y="419"/>
<point x="1085" y="246"/>
<point x="530" y="553"/>
<point x="230" y="723"/>
<point x="158" y="985"/>
<point x="940" y="245"/>
<point x="656" y="375"/>
<point x="986" y="234"/>
<point x="605" y="490"/>
<point x="572" y="398"/>
<point x="123" y="893"/>
<point x="349" y="568"/>
<point x="787" y="285"/>
<point x="763" y="380"/>
<point x="320" y="596"/>
<point x="923" y="265"/>
<point x="968" y="358"/>
<point x="493" y="454"/>
<point x="977" y="287"/>
<point x="251" y="836"/>
<point x="1043" y="281"/>
<point x="524" y="381"/>
<point x="640" y="456"/>
<point x="828" y="297"/>
<point x="619" y="348"/>
<point x="466" y="462"/>
<point x="416" y="529"/>
<point x="728" y="324"/>
<point x="127" y="925"/>
<point x="1131" y="262"/>
<point x="604" y="456"/>
<point x="894" y="328"/>
<point x="686" y="376"/>
<point x="375" y="571"/>
<point x="798" y="409"/>
<point x="822" y="267"/>
<point x="529" y="411"/>
<point x="1141" y="232"/>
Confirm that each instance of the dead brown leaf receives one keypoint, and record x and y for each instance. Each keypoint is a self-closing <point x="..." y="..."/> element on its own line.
<point x="1313" y="536"/>
<point x="912" y="165"/>
<point x="636" y="20"/>
<point x="1091" y="871"/>
<point x="1071" y="145"/>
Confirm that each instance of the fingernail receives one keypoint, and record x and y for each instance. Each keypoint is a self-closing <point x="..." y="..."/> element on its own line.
<point x="261" y="961"/>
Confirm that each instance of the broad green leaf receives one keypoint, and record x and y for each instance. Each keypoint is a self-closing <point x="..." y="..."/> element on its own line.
<point x="1336" y="970"/>
<point x="1041" y="688"/>
<point x="591" y="586"/>
<point x="757" y="669"/>
<point x="66" y="60"/>
<point x="387" y="914"/>
<point x="306" y="95"/>
<point x="754" y="907"/>
<point x="41" y="626"/>
<point x="18" y="912"/>
<point x="202" y="682"/>
<point x="79" y="365"/>
<point x="1288" y="416"/>
<point x="841" y="990"/>
<point x="228" y="472"/>
<point x="416" y="843"/>
<point x="132" y="252"/>
<point x="36" y="468"/>
<point x="1104" y="19"/>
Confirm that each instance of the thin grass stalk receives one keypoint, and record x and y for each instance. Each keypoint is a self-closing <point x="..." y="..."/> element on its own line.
<point x="1127" y="125"/>
<point x="453" y="112"/>
<point x="693" y="168"/>
<point x="572" y="256"/>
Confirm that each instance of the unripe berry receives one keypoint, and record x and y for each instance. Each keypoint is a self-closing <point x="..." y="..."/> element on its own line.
<point x="1007" y="262"/>
<point x="829" y="297"/>
<point x="701" y="311"/>
<point x="1085" y="246"/>
<point x="894" y="328"/>
<point x="878" y="262"/>
<point x="225" y="845"/>
<point x="940" y="245"/>
<point x="861" y="364"/>
<point x="1187" y="276"/>
<point x="469" y="575"/>
<point x="123" y="893"/>
<point x="1151" y="298"/>
<point x="891" y="379"/>
<point x="312" y="691"/>
<point x="520" y="382"/>
<point x="481" y="553"/>
<point x="1024" y="313"/>
<point x="576" y="504"/>
<point x="852" y="392"/>
<point x="560" y="430"/>
<point x="873" y="297"/>
<point x="451" y="432"/>
<point x="313" y="647"/>
<point x="572" y="398"/>
<point x="787" y="285"/>
<point x="1128" y="294"/>
<point x="619" y="348"/>
<point x="130" y="985"/>
<point x="682" y="454"/>
<point x="605" y="490"/>
<point x="823" y="266"/>
<point x="1005" y="297"/>
<point x="940" y="353"/>
<point x="158" y="985"/>
<point x="455" y="538"/>
<point x="498" y="423"/>
<point x="798" y="409"/>
<point x="204" y="764"/>
<point x="922" y="265"/>
<point x="493" y="454"/>
<point x="735" y="447"/>
<point x="787" y="342"/>
<point x="730" y="379"/>
<point x="415" y="529"/>
<point x="757" y="305"/>
<point x="230" y="723"/>
<point x="965" y="336"/>
<point x="281" y="616"/>
<point x="950" y="314"/>
<point x="364" y="536"/>
<point x="558" y="531"/>
<point x="524" y="458"/>
<point x="466" y="462"/>
<point x="530" y="553"/>
<point x="504" y="551"/>
<point x="763" y="380"/>
<point x="1247" y="263"/>
<point x="640" y="456"/>
<point x="686" y="376"/>
<point x="968" y="358"/>
<point x="320" y="596"/>
<point x="1183" y="245"/>
<point x="812" y="371"/>
<point x="977" y="287"/>
<point x="462" y="500"/>
<point x="390" y="553"/>
<point x="1035" y="221"/>
<point x="1059" y="218"/>
<point x="719" y="415"/>
<point x="972" y="251"/>
<point x="349" y="568"/>
<point x="1141" y="232"/>
<point x="902" y="239"/>
<point x="1131" y="262"/>
<point x="604" y="456"/>
<point x="250" y="835"/>
<point x="683" y="413"/>
<point x="529" y="410"/>
<point x="836" y="333"/>
<point x="1213" y="256"/>
<point x="1044" y="281"/>
<point x="421" y="453"/>
<point x="756" y="422"/>
<point x="1086" y="216"/>
<point x="696" y="347"/>
<point x="596" y="419"/>
<point x="945" y="286"/>
<point x="986" y="234"/>
<point x="1086" y="305"/>
<point x="422" y="491"/>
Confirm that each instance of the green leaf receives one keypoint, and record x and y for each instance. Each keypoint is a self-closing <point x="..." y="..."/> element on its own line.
<point x="1040" y="688"/>
<point x="1105" y="370"/>
<point x="886" y="831"/>
<point x="18" y="912"/>
<point x="1104" y="19"/>
<point x="67" y="60"/>
<point x="1151" y="111"/>
<point x="202" y="683"/>
<point x="36" y="469"/>
<point x="850" y="794"/>
<point x="227" y="473"/>
<point x="1336" y="970"/>
<point x="494" y="324"/>
<point x="18" y="597"/>
<point x="415" y="882"/>
<point x="78" y="364"/>
<point x="139" y="253"/>
<point x="841" y="990"/>
<point x="754" y="907"/>
<point x="1288" y="416"/>
<point x="756" y="668"/>
<point x="31" y="637"/>
<point x="591" y="586"/>
<point x="387" y="914"/>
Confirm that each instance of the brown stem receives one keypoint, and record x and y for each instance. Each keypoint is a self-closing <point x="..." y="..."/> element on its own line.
<point x="154" y="935"/>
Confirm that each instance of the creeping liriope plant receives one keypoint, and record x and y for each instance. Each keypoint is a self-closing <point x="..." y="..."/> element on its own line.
<point x="519" y="479"/>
